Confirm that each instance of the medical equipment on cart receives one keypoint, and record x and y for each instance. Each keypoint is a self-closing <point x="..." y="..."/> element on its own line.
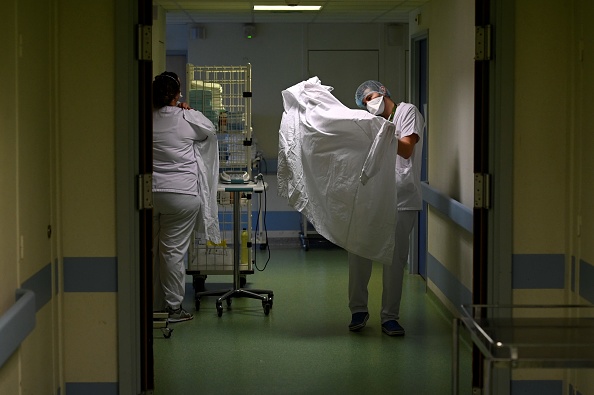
<point x="223" y="94"/>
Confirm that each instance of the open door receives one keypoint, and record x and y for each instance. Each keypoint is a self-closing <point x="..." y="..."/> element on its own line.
<point x="420" y="98"/>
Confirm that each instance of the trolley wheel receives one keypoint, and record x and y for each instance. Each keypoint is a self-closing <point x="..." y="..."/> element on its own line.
<point x="198" y="281"/>
<point x="219" y="309"/>
<point x="263" y="246"/>
<point x="167" y="332"/>
<point x="306" y="245"/>
<point x="242" y="281"/>
<point x="266" y="306"/>
<point x="197" y="303"/>
<point x="270" y="297"/>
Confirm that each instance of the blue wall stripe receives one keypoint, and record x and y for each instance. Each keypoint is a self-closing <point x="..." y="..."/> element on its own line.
<point x="269" y="167"/>
<point x="587" y="281"/>
<point x="282" y="220"/>
<point x="91" y="388"/>
<point x="41" y="284"/>
<point x="449" y="285"/>
<point x="90" y="274"/>
<point x="538" y="271"/>
<point x="275" y="220"/>
<point x="537" y="387"/>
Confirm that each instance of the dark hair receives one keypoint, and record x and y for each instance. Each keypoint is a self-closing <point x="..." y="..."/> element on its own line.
<point x="165" y="88"/>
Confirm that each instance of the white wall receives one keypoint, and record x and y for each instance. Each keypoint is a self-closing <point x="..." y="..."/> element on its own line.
<point x="450" y="142"/>
<point x="278" y="54"/>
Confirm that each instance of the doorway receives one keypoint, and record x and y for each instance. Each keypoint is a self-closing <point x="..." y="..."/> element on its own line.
<point x="420" y="98"/>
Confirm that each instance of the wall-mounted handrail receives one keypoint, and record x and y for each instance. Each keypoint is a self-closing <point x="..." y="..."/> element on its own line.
<point x="454" y="210"/>
<point x="17" y="323"/>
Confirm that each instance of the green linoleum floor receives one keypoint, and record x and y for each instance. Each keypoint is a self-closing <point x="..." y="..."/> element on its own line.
<point x="304" y="346"/>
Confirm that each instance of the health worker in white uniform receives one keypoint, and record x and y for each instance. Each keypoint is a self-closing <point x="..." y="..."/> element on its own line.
<point x="176" y="195"/>
<point x="375" y="98"/>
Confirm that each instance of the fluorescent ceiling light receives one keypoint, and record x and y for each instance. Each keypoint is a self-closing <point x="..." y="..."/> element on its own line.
<point x="287" y="7"/>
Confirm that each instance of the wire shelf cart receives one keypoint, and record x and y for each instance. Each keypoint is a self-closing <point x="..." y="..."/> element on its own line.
<point x="223" y="95"/>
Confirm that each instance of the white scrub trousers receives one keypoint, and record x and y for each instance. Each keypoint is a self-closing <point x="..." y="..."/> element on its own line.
<point x="174" y="219"/>
<point x="392" y="276"/>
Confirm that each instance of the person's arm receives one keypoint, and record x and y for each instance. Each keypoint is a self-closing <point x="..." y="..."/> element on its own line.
<point x="406" y="145"/>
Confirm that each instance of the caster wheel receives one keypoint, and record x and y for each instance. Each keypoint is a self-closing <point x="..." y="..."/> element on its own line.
<point x="263" y="246"/>
<point x="266" y="308"/>
<point x="220" y="309"/>
<point x="242" y="281"/>
<point x="270" y="297"/>
<point x="197" y="304"/>
<point x="167" y="333"/>
<point x="198" y="283"/>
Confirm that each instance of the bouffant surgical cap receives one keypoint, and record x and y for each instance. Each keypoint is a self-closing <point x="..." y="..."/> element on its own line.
<point x="369" y="87"/>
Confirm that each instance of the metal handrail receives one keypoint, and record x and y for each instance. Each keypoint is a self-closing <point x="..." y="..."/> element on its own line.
<point x="17" y="323"/>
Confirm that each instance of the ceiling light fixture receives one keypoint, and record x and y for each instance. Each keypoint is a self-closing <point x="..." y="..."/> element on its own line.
<point x="287" y="7"/>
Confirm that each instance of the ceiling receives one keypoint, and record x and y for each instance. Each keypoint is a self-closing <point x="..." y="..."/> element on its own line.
<point x="181" y="12"/>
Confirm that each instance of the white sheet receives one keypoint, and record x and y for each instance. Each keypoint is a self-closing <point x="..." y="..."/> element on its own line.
<point x="206" y="152"/>
<point x="337" y="167"/>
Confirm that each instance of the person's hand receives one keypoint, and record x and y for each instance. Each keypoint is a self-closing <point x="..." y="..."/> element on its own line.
<point x="184" y="105"/>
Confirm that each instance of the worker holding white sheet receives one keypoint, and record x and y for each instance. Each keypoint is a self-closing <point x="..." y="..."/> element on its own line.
<point x="375" y="98"/>
<point x="345" y="170"/>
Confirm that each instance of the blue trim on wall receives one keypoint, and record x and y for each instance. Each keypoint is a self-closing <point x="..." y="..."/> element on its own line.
<point x="587" y="281"/>
<point x="275" y="220"/>
<point x="90" y="274"/>
<point x="537" y="387"/>
<point x="92" y="388"/>
<point x="538" y="271"/>
<point x="451" y="287"/>
<point x="41" y="284"/>
<point x="283" y="220"/>
<point x="270" y="166"/>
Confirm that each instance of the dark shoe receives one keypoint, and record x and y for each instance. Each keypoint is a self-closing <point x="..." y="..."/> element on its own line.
<point x="178" y="315"/>
<point x="392" y="328"/>
<point x="358" y="321"/>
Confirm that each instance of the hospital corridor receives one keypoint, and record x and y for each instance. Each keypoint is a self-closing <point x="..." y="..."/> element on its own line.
<point x="304" y="346"/>
<point x="146" y="144"/>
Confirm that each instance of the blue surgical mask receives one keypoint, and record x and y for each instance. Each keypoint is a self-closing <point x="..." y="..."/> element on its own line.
<point x="376" y="106"/>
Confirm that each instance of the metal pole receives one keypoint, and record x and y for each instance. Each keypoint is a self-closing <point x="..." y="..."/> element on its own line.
<point x="236" y="237"/>
<point x="455" y="355"/>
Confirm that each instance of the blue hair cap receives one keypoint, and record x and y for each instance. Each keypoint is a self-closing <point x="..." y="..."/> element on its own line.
<point x="369" y="87"/>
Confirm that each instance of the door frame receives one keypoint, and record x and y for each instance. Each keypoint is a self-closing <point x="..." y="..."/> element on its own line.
<point x="418" y="244"/>
<point x="499" y="219"/>
<point x="133" y="245"/>
<point x="494" y="120"/>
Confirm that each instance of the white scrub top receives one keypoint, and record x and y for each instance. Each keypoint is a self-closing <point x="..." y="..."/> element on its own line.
<point x="174" y="162"/>
<point x="408" y="121"/>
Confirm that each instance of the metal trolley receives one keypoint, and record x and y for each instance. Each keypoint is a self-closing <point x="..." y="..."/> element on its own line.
<point x="223" y="94"/>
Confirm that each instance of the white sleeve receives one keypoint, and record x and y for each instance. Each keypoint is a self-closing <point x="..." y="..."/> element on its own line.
<point x="202" y="125"/>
